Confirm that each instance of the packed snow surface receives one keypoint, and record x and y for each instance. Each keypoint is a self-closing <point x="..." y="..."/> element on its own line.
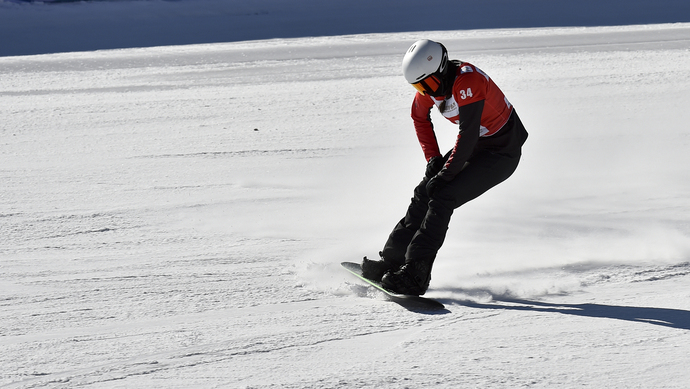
<point x="175" y="216"/>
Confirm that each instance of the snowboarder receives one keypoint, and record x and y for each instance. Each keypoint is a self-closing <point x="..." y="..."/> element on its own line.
<point x="486" y="152"/>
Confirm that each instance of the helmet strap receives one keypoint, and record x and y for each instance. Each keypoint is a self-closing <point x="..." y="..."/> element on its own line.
<point x="447" y="80"/>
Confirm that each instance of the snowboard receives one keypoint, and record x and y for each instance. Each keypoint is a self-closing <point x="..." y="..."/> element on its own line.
<point x="402" y="299"/>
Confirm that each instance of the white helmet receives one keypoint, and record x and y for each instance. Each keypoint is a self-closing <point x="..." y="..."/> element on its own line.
<point x="423" y="59"/>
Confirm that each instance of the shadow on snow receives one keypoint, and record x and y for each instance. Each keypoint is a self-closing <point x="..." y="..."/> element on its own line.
<point x="667" y="317"/>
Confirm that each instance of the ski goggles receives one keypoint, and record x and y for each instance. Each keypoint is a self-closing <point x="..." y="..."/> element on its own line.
<point x="428" y="85"/>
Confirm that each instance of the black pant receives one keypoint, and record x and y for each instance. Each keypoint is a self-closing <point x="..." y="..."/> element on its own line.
<point x="420" y="234"/>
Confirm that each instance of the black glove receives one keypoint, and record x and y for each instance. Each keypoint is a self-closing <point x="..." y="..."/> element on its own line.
<point x="434" y="185"/>
<point x="434" y="166"/>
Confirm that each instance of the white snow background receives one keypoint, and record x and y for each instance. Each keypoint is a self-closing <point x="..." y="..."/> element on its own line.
<point x="174" y="216"/>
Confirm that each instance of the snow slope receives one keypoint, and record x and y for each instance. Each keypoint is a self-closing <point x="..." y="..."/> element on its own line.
<point x="174" y="217"/>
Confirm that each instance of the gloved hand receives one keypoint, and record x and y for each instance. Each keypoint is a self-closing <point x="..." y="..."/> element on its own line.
<point x="434" y="166"/>
<point x="434" y="185"/>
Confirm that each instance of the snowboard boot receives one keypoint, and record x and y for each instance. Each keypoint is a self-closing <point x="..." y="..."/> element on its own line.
<point x="412" y="278"/>
<point x="374" y="270"/>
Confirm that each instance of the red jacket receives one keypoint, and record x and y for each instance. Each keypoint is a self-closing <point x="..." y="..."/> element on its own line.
<point x="477" y="106"/>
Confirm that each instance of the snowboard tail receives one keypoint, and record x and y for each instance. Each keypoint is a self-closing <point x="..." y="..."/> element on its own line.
<point x="403" y="299"/>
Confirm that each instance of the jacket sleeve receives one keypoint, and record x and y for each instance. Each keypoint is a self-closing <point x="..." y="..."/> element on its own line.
<point x="421" y="116"/>
<point x="468" y="135"/>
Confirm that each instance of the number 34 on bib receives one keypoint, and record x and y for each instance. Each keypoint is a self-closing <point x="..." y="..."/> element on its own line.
<point x="465" y="93"/>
